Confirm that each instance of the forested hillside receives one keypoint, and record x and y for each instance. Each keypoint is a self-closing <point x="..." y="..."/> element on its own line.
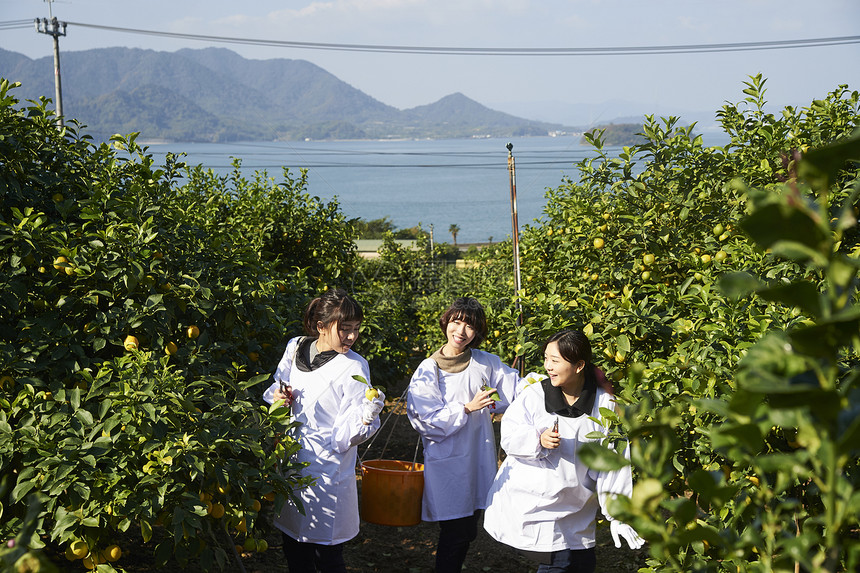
<point x="214" y="94"/>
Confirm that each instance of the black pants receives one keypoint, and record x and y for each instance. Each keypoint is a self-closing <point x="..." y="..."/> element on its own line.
<point x="570" y="561"/>
<point x="455" y="535"/>
<point x="312" y="557"/>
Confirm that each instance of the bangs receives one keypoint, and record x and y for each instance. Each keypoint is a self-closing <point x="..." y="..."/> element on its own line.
<point x="469" y="316"/>
<point x="348" y="311"/>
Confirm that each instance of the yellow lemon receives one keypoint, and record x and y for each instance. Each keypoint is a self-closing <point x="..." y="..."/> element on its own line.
<point x="217" y="511"/>
<point x="80" y="548"/>
<point x="130" y="342"/>
<point x="113" y="553"/>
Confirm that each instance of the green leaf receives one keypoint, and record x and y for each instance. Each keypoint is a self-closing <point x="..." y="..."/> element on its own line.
<point x="601" y="458"/>
<point x="22" y="489"/>
<point x="740" y="284"/>
<point x="802" y="294"/>
<point x="729" y="436"/>
<point x="828" y="335"/>
<point x="770" y="224"/>
<point x="65" y="520"/>
<point x="84" y="416"/>
<point x="797" y="251"/>
<point x="843" y="270"/>
<point x="623" y="343"/>
<point x="821" y="166"/>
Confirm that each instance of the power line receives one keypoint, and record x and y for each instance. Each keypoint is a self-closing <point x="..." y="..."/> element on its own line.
<point x="465" y="51"/>
<point x="16" y="24"/>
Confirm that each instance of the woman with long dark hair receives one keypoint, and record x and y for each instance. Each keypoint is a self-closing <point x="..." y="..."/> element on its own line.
<point x="316" y="379"/>
<point x="544" y="500"/>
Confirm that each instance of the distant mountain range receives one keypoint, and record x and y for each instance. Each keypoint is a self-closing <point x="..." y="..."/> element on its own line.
<point x="213" y="94"/>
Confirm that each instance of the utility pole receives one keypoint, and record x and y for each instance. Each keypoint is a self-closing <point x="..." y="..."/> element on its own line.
<point x="52" y="28"/>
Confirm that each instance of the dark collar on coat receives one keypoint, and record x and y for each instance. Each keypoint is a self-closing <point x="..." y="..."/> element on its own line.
<point x="555" y="403"/>
<point x="303" y="356"/>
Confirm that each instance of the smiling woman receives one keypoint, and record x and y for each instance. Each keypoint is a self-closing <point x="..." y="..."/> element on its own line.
<point x="542" y="434"/>
<point x="323" y="381"/>
<point x="450" y="404"/>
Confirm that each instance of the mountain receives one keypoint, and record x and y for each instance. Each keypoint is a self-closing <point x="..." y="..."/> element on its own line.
<point x="591" y="115"/>
<point x="213" y="94"/>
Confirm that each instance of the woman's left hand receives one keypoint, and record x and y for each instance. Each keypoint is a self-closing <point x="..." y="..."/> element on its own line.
<point x="623" y="531"/>
<point x="372" y="408"/>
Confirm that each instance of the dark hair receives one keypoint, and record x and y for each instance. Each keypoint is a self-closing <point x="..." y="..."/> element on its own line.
<point x="470" y="311"/>
<point x="574" y="346"/>
<point x="334" y="305"/>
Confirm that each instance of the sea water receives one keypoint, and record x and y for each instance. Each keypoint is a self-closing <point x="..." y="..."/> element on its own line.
<point x="432" y="183"/>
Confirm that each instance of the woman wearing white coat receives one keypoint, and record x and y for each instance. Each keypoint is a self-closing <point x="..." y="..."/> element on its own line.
<point x="315" y="377"/>
<point x="544" y="500"/>
<point x="450" y="405"/>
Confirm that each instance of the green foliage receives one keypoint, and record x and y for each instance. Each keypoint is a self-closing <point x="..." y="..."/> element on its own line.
<point x="374" y="229"/>
<point x="142" y="311"/>
<point x="377" y="229"/>
<point x="717" y="284"/>
<point x="17" y="555"/>
<point x="616" y="134"/>
<point x="719" y="379"/>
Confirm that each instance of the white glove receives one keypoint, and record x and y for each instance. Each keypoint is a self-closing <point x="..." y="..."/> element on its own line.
<point x="371" y="409"/>
<point x="622" y="530"/>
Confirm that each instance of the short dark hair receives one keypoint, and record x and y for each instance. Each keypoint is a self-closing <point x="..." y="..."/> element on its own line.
<point x="573" y="345"/>
<point x="334" y="305"/>
<point x="470" y="311"/>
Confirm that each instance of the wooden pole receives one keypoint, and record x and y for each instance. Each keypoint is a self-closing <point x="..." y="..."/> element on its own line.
<point x="515" y="229"/>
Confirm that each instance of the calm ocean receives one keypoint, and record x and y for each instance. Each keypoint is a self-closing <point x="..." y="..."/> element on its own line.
<point x="431" y="182"/>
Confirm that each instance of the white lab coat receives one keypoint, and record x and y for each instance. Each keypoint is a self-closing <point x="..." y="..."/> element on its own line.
<point x="328" y="404"/>
<point x="460" y="457"/>
<point x="546" y="500"/>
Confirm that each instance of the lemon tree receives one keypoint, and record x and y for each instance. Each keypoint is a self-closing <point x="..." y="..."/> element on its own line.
<point x="638" y="247"/>
<point x="143" y="309"/>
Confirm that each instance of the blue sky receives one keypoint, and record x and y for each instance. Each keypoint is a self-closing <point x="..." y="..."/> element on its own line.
<point x="528" y="86"/>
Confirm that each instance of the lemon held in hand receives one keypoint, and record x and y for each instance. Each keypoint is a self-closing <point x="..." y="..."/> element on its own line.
<point x="494" y="395"/>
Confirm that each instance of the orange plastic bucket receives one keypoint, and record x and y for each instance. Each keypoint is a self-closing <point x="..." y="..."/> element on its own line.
<point x="391" y="492"/>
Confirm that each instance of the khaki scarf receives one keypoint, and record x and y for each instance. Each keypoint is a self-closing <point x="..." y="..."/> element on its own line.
<point x="452" y="364"/>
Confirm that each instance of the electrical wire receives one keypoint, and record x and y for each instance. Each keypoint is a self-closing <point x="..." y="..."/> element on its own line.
<point x="16" y="24"/>
<point x="465" y="51"/>
<point x="532" y="159"/>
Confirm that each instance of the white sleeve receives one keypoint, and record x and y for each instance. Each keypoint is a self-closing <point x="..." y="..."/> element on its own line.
<point x="505" y="380"/>
<point x="349" y="428"/>
<point x="520" y="433"/>
<point x="282" y="372"/>
<point x="617" y="482"/>
<point x="426" y="408"/>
